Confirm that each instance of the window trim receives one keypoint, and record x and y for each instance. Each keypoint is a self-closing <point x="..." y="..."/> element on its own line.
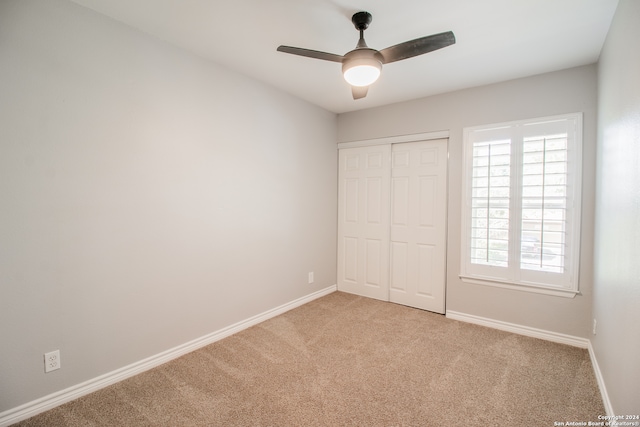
<point x="571" y="289"/>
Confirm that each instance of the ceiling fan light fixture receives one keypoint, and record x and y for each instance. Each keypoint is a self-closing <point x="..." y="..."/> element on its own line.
<point x="361" y="71"/>
<point x="362" y="66"/>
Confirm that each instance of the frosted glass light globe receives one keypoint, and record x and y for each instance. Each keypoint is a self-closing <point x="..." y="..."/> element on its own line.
<point x="362" y="75"/>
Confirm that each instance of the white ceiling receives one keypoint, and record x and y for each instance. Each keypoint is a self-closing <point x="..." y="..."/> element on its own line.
<point x="497" y="40"/>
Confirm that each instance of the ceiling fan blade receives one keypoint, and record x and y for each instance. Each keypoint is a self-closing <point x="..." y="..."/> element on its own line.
<point x="417" y="47"/>
<point x="359" y="91"/>
<point x="310" y="53"/>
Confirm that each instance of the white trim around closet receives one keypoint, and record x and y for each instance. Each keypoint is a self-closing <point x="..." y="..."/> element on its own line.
<point x="395" y="139"/>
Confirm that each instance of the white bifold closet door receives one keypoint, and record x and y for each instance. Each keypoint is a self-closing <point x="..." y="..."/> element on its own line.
<point x="363" y="225"/>
<point x="418" y="224"/>
<point x="392" y="223"/>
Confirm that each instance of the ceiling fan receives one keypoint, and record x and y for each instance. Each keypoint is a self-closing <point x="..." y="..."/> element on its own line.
<point x="361" y="67"/>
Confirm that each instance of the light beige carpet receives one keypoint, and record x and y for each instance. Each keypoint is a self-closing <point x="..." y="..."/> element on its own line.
<point x="346" y="360"/>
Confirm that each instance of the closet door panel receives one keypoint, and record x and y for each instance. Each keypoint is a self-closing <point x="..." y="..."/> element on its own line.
<point x="363" y="221"/>
<point x="418" y="205"/>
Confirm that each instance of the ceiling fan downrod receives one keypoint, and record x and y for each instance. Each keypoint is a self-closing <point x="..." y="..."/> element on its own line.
<point x="361" y="21"/>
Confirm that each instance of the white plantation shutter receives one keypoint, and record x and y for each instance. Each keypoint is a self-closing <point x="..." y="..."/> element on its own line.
<point x="490" y="193"/>
<point x="522" y="198"/>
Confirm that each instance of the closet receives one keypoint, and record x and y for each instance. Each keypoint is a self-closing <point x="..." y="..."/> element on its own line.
<point x="392" y="214"/>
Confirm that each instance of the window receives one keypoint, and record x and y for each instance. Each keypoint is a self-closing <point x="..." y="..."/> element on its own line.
<point x="521" y="208"/>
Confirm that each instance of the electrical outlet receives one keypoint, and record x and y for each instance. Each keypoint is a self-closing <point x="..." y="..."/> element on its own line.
<point x="310" y="277"/>
<point x="595" y="323"/>
<point x="51" y="361"/>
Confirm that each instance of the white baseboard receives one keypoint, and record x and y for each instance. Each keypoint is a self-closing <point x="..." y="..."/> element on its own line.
<point x="520" y="330"/>
<point x="603" y="389"/>
<point x="56" y="399"/>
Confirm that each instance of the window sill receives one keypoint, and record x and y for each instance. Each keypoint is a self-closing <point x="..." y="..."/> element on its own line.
<point x="537" y="289"/>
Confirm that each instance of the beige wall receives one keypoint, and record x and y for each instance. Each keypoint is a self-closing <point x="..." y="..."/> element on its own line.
<point x="572" y="90"/>
<point x="617" y="248"/>
<point x="147" y="197"/>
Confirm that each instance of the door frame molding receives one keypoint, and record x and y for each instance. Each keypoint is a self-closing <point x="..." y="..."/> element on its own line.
<point x="425" y="136"/>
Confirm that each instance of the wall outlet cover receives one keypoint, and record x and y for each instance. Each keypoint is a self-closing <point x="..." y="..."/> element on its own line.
<point x="52" y="361"/>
